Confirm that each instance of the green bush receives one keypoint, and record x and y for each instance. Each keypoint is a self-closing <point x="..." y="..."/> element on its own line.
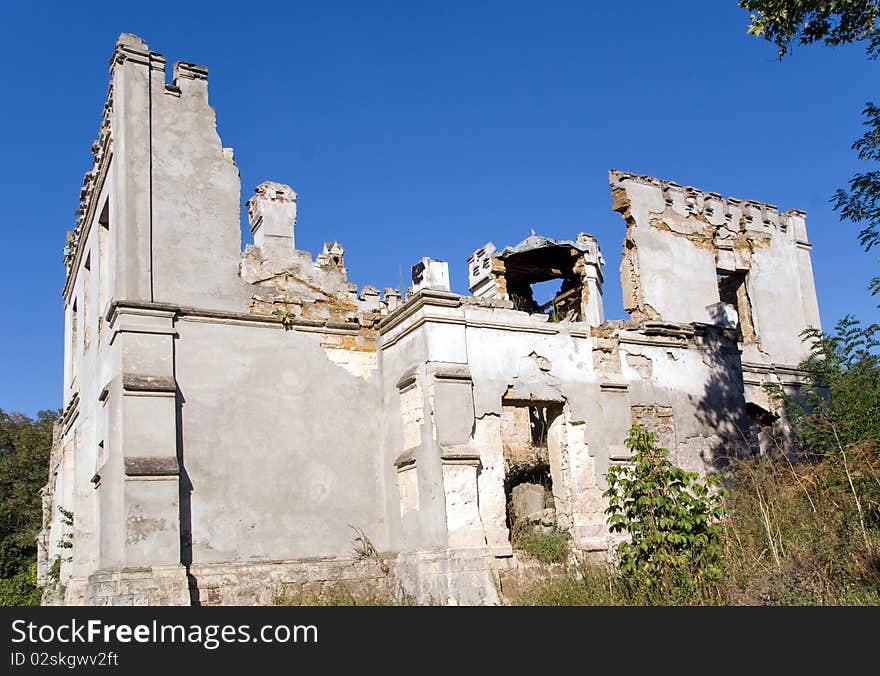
<point x="671" y="517"/>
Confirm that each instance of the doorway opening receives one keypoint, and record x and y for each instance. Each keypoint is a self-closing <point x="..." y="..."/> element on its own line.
<point x="526" y="432"/>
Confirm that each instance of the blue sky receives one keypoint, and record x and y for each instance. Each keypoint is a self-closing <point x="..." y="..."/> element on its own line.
<point x="429" y="128"/>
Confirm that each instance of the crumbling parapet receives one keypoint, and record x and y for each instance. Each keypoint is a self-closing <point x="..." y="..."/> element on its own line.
<point x="694" y="256"/>
<point x="483" y="280"/>
<point x="432" y="274"/>
<point x="287" y="283"/>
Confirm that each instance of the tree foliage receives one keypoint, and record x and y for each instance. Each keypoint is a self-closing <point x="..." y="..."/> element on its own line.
<point x="835" y="22"/>
<point x="832" y="22"/>
<point x="24" y="458"/>
<point x="670" y="515"/>
<point x="861" y="203"/>
<point x="21" y="589"/>
<point x="841" y="406"/>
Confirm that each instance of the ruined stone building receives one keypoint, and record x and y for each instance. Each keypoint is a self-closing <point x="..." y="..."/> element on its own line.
<point x="238" y="425"/>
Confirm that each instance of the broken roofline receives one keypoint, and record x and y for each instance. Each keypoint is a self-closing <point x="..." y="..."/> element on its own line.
<point x="536" y="241"/>
<point x="617" y="177"/>
<point x="276" y="223"/>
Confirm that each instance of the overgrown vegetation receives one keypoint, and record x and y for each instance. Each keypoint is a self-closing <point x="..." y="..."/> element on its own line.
<point x="21" y="589"/>
<point x="841" y="405"/>
<point x="796" y="529"/>
<point x="805" y="533"/>
<point x="24" y="458"/>
<point x="670" y="515"/>
<point x="550" y="545"/>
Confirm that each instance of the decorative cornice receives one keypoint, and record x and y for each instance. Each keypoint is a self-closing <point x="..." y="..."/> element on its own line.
<point x="70" y="413"/>
<point x="406" y="459"/>
<point x="614" y="386"/>
<point x="225" y="317"/>
<point x="467" y="458"/>
<point x="408" y="379"/>
<point x="190" y="71"/>
<point x="450" y="371"/>
<point x="130" y="48"/>
<point x="422" y="298"/>
<point x="427" y="298"/>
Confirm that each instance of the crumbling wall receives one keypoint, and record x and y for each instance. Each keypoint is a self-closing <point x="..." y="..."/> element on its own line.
<point x="658" y="420"/>
<point x="693" y="256"/>
<point x="285" y="283"/>
<point x="511" y="273"/>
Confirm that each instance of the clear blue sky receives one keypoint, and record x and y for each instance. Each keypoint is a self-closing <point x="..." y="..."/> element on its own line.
<point x="428" y="128"/>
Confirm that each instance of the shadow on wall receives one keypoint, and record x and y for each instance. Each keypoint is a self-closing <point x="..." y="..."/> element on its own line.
<point x="722" y="405"/>
<point x="185" y="502"/>
<point x="745" y="428"/>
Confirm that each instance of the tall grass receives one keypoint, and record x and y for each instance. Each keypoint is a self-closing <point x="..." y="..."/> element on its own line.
<point x="805" y="533"/>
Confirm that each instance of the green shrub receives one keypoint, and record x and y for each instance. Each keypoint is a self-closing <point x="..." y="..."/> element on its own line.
<point x="670" y="515"/>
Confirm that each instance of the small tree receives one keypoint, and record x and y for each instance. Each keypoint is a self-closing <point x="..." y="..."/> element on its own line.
<point x="670" y="515"/>
<point x="840" y="405"/>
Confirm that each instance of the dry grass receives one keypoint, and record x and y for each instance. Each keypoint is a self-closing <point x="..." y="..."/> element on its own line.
<point x="803" y="533"/>
<point x="340" y="594"/>
<point x="552" y="546"/>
